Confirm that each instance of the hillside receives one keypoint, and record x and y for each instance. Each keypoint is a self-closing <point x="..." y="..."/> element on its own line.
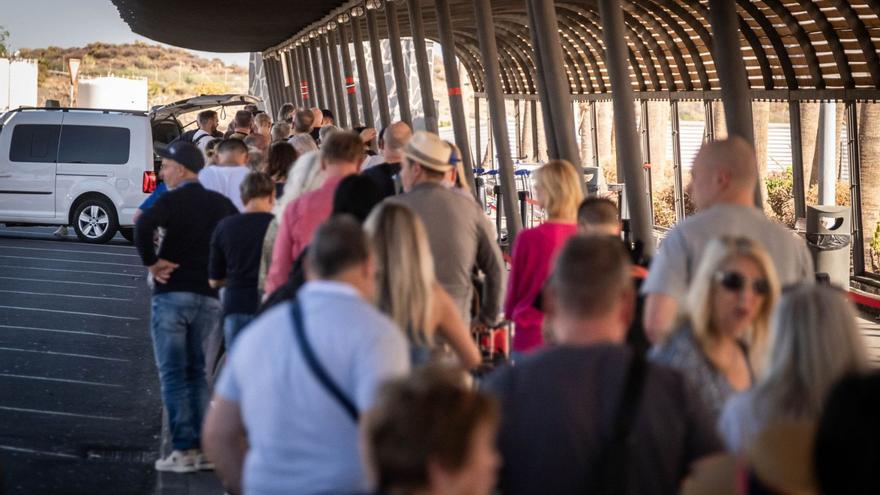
<point x="172" y="73"/>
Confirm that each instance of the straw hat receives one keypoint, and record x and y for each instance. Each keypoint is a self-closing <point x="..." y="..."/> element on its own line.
<point x="429" y="151"/>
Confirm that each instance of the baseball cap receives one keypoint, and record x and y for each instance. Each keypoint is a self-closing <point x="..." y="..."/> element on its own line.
<point x="428" y="150"/>
<point x="184" y="153"/>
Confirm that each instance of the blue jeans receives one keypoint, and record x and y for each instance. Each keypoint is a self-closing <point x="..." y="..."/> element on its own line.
<point x="179" y="322"/>
<point x="232" y="325"/>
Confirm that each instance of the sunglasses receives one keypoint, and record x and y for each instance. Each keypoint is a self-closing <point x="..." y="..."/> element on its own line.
<point x="736" y="282"/>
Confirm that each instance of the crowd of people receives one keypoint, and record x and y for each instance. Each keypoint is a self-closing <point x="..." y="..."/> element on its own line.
<point x="342" y="277"/>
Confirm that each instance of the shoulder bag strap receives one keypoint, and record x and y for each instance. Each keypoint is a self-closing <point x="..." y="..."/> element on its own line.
<point x="315" y="366"/>
<point x="612" y="474"/>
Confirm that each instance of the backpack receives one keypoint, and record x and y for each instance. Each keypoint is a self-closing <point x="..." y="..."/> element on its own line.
<point x="190" y="134"/>
<point x="186" y="136"/>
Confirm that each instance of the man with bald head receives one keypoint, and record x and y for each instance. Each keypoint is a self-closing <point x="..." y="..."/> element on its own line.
<point x="723" y="180"/>
<point x="396" y="136"/>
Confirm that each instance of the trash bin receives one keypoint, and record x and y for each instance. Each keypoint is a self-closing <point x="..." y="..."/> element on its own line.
<point x="829" y="236"/>
<point x="591" y="176"/>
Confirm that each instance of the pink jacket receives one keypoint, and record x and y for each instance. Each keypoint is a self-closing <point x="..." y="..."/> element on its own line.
<point x="301" y="218"/>
<point x="533" y="253"/>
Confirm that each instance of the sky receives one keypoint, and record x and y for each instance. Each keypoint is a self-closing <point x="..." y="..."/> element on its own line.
<point x="66" y="23"/>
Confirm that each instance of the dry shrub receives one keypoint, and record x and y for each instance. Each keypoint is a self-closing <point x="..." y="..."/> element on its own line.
<point x="780" y="196"/>
<point x="874" y="251"/>
<point x="664" y="206"/>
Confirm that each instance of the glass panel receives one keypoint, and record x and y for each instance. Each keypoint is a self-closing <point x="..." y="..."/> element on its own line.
<point x="93" y="144"/>
<point x="34" y="143"/>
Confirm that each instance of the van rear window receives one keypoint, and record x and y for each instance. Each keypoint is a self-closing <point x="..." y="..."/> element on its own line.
<point x="94" y="144"/>
<point x="34" y="143"/>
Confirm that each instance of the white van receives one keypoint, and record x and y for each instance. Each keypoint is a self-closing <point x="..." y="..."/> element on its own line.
<point x="87" y="168"/>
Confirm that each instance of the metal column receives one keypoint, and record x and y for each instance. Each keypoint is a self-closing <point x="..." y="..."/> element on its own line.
<point x="678" y="183"/>
<point x="732" y="76"/>
<point x="319" y="88"/>
<point x="361" y="63"/>
<point x="535" y="148"/>
<point x="305" y="86"/>
<point x="628" y="155"/>
<point x="400" y="81"/>
<point x="271" y="65"/>
<point x="709" y="122"/>
<point x="855" y="181"/>
<point x="594" y="133"/>
<point x="552" y="81"/>
<point x="495" y="97"/>
<point x="378" y="70"/>
<point x="797" y="160"/>
<point x="294" y="81"/>
<point x="478" y="155"/>
<point x="517" y="129"/>
<point x="421" y="54"/>
<point x="286" y="77"/>
<point x="646" y="156"/>
<point x="453" y="86"/>
<point x="346" y="79"/>
<point x="826" y="148"/>
<point x="337" y="105"/>
<point x="326" y="74"/>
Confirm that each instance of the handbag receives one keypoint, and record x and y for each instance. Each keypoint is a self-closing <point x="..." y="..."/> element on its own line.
<point x="612" y="473"/>
<point x="315" y="365"/>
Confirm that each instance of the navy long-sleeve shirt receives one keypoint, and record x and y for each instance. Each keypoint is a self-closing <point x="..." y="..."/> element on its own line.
<point x="188" y="214"/>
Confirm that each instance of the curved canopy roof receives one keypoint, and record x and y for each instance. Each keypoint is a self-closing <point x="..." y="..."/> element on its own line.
<point x="221" y="25"/>
<point x="786" y="44"/>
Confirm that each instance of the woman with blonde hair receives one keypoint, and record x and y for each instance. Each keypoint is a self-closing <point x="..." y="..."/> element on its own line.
<point x="815" y="342"/>
<point x="408" y="291"/>
<point x="303" y="176"/>
<point x="559" y="191"/>
<point x="722" y="347"/>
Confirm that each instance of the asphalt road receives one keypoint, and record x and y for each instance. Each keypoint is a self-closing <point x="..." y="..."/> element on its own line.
<point x="80" y="410"/>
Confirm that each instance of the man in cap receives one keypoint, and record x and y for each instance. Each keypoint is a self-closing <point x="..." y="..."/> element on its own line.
<point x="460" y="235"/>
<point x="184" y="307"/>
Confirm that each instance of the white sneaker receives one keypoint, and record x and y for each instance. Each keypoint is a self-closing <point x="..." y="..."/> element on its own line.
<point x="61" y="231"/>
<point x="178" y="461"/>
<point x="202" y="462"/>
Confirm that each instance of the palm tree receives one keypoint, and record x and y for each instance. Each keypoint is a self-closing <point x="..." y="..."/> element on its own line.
<point x="658" y="123"/>
<point x="809" y="135"/>
<point x="760" y="123"/>
<point x="869" y="155"/>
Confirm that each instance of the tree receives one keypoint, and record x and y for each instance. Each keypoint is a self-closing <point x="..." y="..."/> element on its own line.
<point x="869" y="155"/>
<point x="4" y="36"/>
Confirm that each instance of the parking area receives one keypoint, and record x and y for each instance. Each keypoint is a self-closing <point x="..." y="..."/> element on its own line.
<point x="79" y="402"/>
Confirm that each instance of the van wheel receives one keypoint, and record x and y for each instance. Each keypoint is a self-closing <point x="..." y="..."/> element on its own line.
<point x="94" y="221"/>
<point x="127" y="233"/>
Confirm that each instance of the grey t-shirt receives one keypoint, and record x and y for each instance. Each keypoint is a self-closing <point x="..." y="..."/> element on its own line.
<point x="559" y="406"/>
<point x="679" y="255"/>
<point x="461" y="237"/>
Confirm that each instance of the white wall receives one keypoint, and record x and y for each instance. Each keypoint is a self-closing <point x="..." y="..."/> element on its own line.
<point x="112" y="93"/>
<point x="18" y="83"/>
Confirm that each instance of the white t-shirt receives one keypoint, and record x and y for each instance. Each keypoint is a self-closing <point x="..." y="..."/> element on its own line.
<point x="301" y="439"/>
<point x="201" y="139"/>
<point x="226" y="180"/>
<point x="372" y="161"/>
